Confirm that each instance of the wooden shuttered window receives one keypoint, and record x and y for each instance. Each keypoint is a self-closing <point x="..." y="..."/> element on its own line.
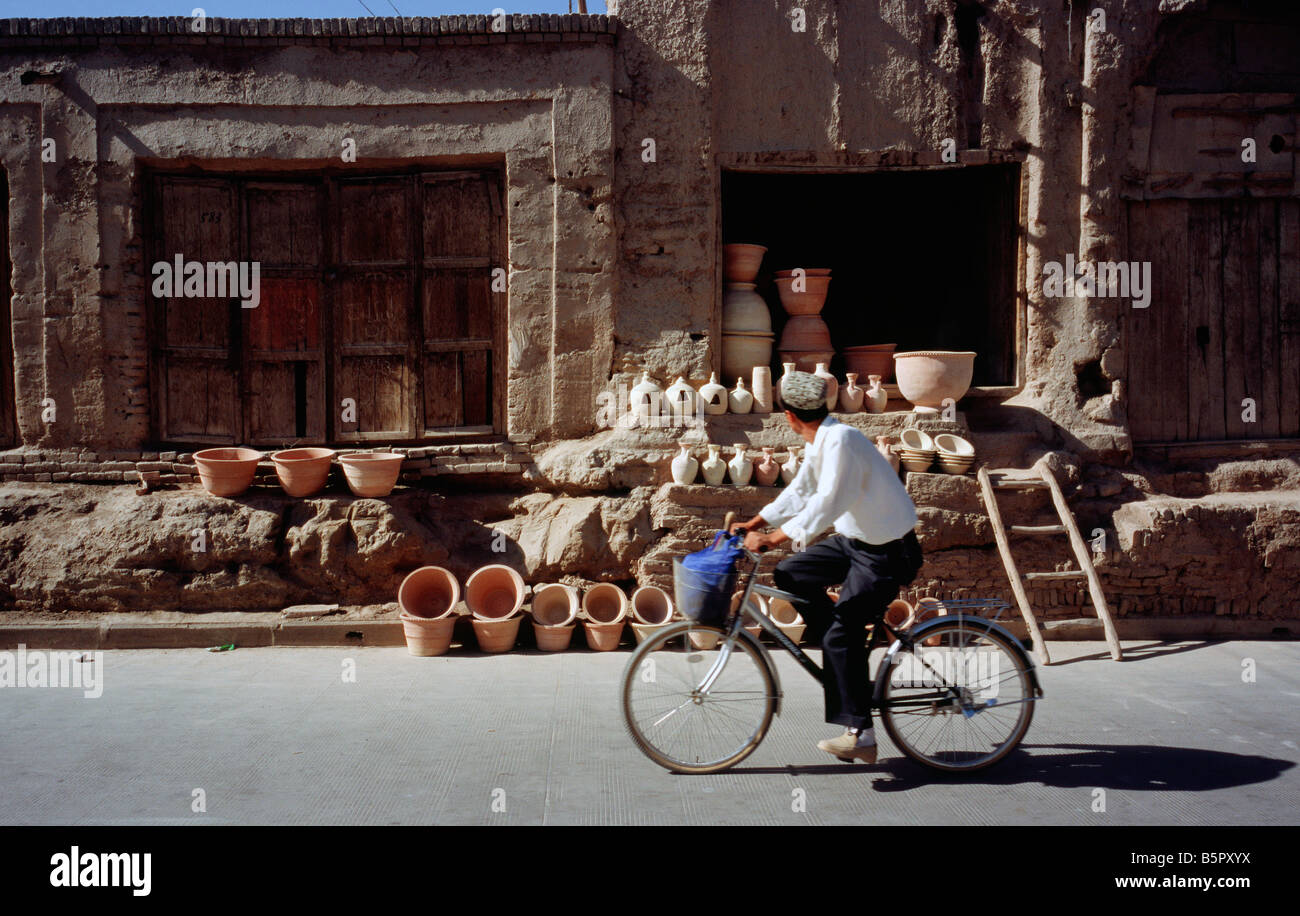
<point x="376" y="322"/>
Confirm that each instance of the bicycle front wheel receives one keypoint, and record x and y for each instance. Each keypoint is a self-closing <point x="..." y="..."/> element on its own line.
<point x="696" y="702"/>
<point x="960" y="700"/>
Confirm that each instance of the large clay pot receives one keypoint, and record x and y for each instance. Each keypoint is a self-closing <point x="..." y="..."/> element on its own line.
<point x="928" y="377"/>
<point x="684" y="467"/>
<point x="869" y="360"/>
<point x="740" y="262"/>
<point x="553" y="639"/>
<point x="741" y="352"/>
<point x="426" y="637"/>
<point x="713" y="396"/>
<point x="303" y="471"/>
<point x="494" y="592"/>
<point x="810" y="300"/>
<point x="604" y="603"/>
<point x="497" y="635"/>
<point x="763" y="388"/>
<point x="555" y="605"/>
<point x="766" y="471"/>
<point x="227" y="471"/>
<point x="805" y="332"/>
<point x="651" y="605"/>
<point x="603" y="637"/>
<point x="372" y="474"/>
<point x="744" y="310"/>
<point x="740" y="469"/>
<point x="430" y="592"/>
<point x="644" y="631"/>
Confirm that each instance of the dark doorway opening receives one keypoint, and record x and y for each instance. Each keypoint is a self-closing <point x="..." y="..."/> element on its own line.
<point x="925" y="259"/>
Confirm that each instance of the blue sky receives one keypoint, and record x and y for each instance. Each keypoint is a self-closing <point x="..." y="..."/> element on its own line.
<point x="272" y="9"/>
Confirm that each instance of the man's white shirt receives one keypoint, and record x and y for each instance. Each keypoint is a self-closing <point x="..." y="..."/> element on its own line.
<point x="843" y="481"/>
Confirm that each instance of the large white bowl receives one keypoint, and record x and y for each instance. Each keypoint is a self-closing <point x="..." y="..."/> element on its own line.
<point x="929" y="377"/>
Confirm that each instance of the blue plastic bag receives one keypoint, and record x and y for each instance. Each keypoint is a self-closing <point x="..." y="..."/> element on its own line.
<point x="703" y="581"/>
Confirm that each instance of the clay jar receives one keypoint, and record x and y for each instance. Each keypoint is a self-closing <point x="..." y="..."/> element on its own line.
<point x="740" y="400"/>
<point x="713" y="467"/>
<point x="740" y="468"/>
<point x="494" y="593"/>
<point x="791" y="467"/>
<point x="227" y="471"/>
<point x="645" y="401"/>
<point x="877" y="397"/>
<point x="684" y="466"/>
<point x="497" y="635"/>
<point x="744" y="311"/>
<point x="652" y="606"/>
<point x="832" y="386"/>
<point x="762" y="389"/>
<point x="303" y="471"/>
<point x="851" y="395"/>
<point x="430" y="592"/>
<point x="786" y="369"/>
<point x="713" y="396"/>
<point x="681" y="402"/>
<point x="766" y="471"/>
<point x="372" y="474"/>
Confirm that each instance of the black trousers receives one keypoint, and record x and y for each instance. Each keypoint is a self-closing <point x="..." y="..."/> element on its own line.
<point x="872" y="575"/>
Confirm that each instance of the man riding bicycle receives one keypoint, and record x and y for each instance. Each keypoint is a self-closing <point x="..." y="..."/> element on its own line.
<point x="843" y="482"/>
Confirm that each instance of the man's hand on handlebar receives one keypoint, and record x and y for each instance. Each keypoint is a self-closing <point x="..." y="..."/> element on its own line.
<point x="755" y="540"/>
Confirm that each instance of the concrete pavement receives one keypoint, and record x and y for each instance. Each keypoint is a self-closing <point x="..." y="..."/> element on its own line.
<point x="1173" y="735"/>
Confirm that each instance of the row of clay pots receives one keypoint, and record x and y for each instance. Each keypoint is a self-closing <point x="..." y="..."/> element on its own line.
<point x="301" y="471"/>
<point x="648" y="401"/>
<point x="741" y="471"/>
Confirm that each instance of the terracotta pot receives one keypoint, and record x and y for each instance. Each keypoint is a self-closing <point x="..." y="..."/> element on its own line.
<point x="927" y="609"/>
<point x="869" y="360"/>
<point x="885" y="448"/>
<point x="603" y="637"/>
<point x="807" y="302"/>
<point x="783" y="612"/>
<point x="704" y="639"/>
<point x="744" y="310"/>
<point x="899" y="614"/>
<point x="497" y="635"/>
<point x="303" y="471"/>
<point x="604" y="604"/>
<point x="742" y="352"/>
<point x="956" y="446"/>
<point x="426" y="636"/>
<point x="372" y="474"/>
<point x="644" y="631"/>
<point x="430" y="592"/>
<point x="928" y="377"/>
<point x="740" y="262"/>
<point x="851" y="395"/>
<point x="553" y="639"/>
<point x="652" y="606"/>
<point x="808" y="272"/>
<point x="227" y="471"/>
<point x="555" y="605"/>
<point x="766" y="471"/>
<point x="877" y="398"/>
<point x="916" y="440"/>
<point x="494" y="592"/>
<point x="805" y="332"/>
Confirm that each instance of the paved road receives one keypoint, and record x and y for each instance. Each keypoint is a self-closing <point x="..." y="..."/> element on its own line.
<point x="276" y="736"/>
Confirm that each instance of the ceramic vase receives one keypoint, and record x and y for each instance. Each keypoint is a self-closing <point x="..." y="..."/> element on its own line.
<point x="227" y="471"/>
<point x="684" y="466"/>
<point x="883" y="446"/>
<point x="791" y="467"/>
<point x="713" y="468"/>
<point x="429" y="592"/>
<point x="766" y="471"/>
<point x="786" y="369"/>
<point x="713" y="396"/>
<point x="851" y="395"/>
<point x="832" y="385"/>
<point x="740" y="400"/>
<point x="681" y="401"/>
<point x="877" y="397"/>
<point x="762" y="389"/>
<point x="645" y="401"/>
<point x="740" y="468"/>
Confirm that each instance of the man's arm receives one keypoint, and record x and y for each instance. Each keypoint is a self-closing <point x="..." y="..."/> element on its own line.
<point x="841" y="478"/>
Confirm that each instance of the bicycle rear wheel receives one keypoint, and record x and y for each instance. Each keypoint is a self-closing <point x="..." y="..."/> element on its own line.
<point x="697" y="705"/>
<point x="960" y="700"/>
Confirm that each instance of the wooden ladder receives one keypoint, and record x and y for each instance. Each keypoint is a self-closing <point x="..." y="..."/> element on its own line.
<point x="1044" y="479"/>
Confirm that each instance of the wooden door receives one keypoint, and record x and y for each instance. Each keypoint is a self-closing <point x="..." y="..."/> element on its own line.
<point x="8" y="413"/>
<point x="461" y="328"/>
<point x="284" y="380"/>
<point x="197" y="340"/>
<point x="1223" y="325"/>
<point x="375" y="327"/>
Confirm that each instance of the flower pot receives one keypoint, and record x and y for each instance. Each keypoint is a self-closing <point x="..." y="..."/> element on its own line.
<point x="744" y="310"/>
<point x="227" y="471"/>
<point x="553" y="638"/>
<point x="899" y="614"/>
<point x="430" y="592"/>
<point x="372" y="474"/>
<point x="555" y="605"/>
<point x="869" y="360"/>
<point x="497" y="635"/>
<point x="426" y="636"/>
<point x="603" y="637"/>
<point x="929" y="377"/>
<point x="652" y="606"/>
<point x="494" y="592"/>
<point x="783" y="613"/>
<point x="809" y="300"/>
<point x="956" y="446"/>
<point x="704" y="639"/>
<point x="604" y="604"/>
<point x="742" y="352"/>
<point x="644" y="631"/>
<point x="303" y="471"/>
<point x="740" y="262"/>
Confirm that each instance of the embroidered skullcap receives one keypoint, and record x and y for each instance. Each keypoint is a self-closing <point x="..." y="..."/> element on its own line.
<point x="803" y="390"/>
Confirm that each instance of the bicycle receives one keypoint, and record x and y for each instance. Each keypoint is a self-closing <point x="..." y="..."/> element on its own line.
<point x="682" y="714"/>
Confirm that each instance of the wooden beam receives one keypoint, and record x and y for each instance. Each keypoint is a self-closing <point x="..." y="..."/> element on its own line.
<point x="1009" y="562"/>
